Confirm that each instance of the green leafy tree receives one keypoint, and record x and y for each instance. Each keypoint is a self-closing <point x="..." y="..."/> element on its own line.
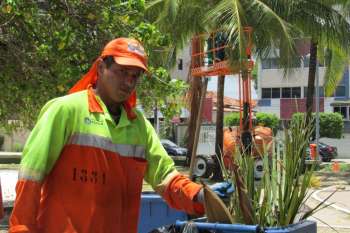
<point x="183" y="19"/>
<point x="152" y="91"/>
<point x="46" y="46"/>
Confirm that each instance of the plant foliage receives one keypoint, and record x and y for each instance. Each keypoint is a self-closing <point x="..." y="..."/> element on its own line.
<point x="277" y="199"/>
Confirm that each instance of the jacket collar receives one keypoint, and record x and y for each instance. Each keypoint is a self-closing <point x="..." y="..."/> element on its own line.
<point x="95" y="105"/>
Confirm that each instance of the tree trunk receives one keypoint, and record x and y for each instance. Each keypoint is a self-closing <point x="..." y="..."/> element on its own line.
<point x="311" y="80"/>
<point x="197" y="128"/>
<point x="246" y="134"/>
<point x="219" y="124"/>
<point x="195" y="93"/>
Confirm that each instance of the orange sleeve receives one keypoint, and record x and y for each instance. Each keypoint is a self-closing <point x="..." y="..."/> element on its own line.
<point x="24" y="213"/>
<point x="180" y="192"/>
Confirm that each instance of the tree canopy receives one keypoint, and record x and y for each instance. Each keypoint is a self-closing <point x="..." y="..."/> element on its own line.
<point x="46" y="46"/>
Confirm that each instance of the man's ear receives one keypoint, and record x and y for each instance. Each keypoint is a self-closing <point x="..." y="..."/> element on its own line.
<point x="100" y="67"/>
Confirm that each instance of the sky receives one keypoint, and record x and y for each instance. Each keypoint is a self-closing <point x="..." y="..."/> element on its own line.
<point x="231" y="86"/>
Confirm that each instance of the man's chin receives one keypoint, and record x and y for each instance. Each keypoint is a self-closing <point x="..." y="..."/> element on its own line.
<point x="121" y="98"/>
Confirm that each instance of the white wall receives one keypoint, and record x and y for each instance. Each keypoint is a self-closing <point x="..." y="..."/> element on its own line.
<point x="297" y="77"/>
<point x="185" y="55"/>
<point x="274" y="108"/>
<point x="327" y="104"/>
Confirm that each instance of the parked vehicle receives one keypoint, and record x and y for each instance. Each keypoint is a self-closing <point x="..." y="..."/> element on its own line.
<point x="204" y="166"/>
<point x="326" y="152"/>
<point x="172" y="149"/>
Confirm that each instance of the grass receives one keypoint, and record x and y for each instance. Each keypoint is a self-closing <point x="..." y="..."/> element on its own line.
<point x="11" y="166"/>
<point x="343" y="167"/>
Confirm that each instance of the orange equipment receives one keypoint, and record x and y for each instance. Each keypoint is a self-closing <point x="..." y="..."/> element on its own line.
<point x="208" y="59"/>
<point x="262" y="141"/>
<point x="336" y="167"/>
<point x="313" y="151"/>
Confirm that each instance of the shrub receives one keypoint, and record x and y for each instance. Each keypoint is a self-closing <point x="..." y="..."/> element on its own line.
<point x="232" y="119"/>
<point x="268" y="119"/>
<point x="331" y="124"/>
<point x="264" y="119"/>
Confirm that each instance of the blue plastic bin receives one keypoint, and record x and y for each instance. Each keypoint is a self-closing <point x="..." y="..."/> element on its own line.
<point x="305" y="226"/>
<point x="156" y="213"/>
<point x="301" y="227"/>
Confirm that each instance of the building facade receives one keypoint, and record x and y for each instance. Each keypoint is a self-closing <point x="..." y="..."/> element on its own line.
<point x="284" y="95"/>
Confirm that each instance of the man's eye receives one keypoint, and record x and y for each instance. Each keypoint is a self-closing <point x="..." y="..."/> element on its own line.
<point x="124" y="72"/>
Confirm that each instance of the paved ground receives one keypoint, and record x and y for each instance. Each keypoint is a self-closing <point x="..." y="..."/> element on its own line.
<point x="8" y="179"/>
<point x="337" y="215"/>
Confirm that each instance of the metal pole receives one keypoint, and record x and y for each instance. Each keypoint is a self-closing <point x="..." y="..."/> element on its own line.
<point x="317" y="108"/>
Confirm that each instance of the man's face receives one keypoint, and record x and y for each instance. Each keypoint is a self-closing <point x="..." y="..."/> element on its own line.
<point x="118" y="81"/>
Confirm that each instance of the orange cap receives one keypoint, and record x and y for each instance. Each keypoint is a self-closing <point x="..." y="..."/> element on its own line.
<point x="127" y="52"/>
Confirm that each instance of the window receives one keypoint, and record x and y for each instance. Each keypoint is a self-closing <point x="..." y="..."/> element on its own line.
<point x="274" y="63"/>
<point x="276" y="93"/>
<point x="180" y="64"/>
<point x="286" y="92"/>
<point x="270" y="63"/>
<point x="321" y="90"/>
<point x="265" y="64"/>
<point x="296" y="63"/>
<point x="342" y="110"/>
<point x="296" y="92"/>
<point x="340" y="91"/>
<point x="306" y="60"/>
<point x="266" y="93"/>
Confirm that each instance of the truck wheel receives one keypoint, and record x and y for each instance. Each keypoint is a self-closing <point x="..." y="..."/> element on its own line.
<point x="258" y="169"/>
<point x="203" y="166"/>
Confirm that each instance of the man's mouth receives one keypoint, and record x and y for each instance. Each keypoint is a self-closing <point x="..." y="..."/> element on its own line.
<point x="125" y="91"/>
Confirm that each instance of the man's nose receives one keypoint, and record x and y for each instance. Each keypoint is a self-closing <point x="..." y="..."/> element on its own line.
<point x="130" y="80"/>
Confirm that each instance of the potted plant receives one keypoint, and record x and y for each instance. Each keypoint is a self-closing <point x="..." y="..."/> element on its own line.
<point x="273" y="203"/>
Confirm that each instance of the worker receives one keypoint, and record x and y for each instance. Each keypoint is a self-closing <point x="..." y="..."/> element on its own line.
<point x="85" y="160"/>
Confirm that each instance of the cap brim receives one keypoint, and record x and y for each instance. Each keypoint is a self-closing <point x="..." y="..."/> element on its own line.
<point x="127" y="61"/>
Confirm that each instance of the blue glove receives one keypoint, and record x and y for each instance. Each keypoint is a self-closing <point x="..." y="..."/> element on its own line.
<point x="223" y="189"/>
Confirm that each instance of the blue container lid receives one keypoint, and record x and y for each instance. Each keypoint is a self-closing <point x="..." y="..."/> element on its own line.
<point x="224" y="228"/>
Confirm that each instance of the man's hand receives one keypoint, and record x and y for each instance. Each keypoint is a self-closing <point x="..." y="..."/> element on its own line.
<point x="222" y="189"/>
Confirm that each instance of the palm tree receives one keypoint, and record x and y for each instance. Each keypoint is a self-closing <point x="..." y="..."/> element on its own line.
<point x="175" y="17"/>
<point x="219" y="123"/>
<point x="318" y="20"/>
<point x="276" y="23"/>
<point x="182" y="19"/>
<point x="331" y="32"/>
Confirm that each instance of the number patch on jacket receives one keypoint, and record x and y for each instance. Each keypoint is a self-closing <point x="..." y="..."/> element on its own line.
<point x="89" y="176"/>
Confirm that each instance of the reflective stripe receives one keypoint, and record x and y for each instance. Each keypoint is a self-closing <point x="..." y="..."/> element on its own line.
<point x="160" y="188"/>
<point x="105" y="143"/>
<point x="29" y="174"/>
